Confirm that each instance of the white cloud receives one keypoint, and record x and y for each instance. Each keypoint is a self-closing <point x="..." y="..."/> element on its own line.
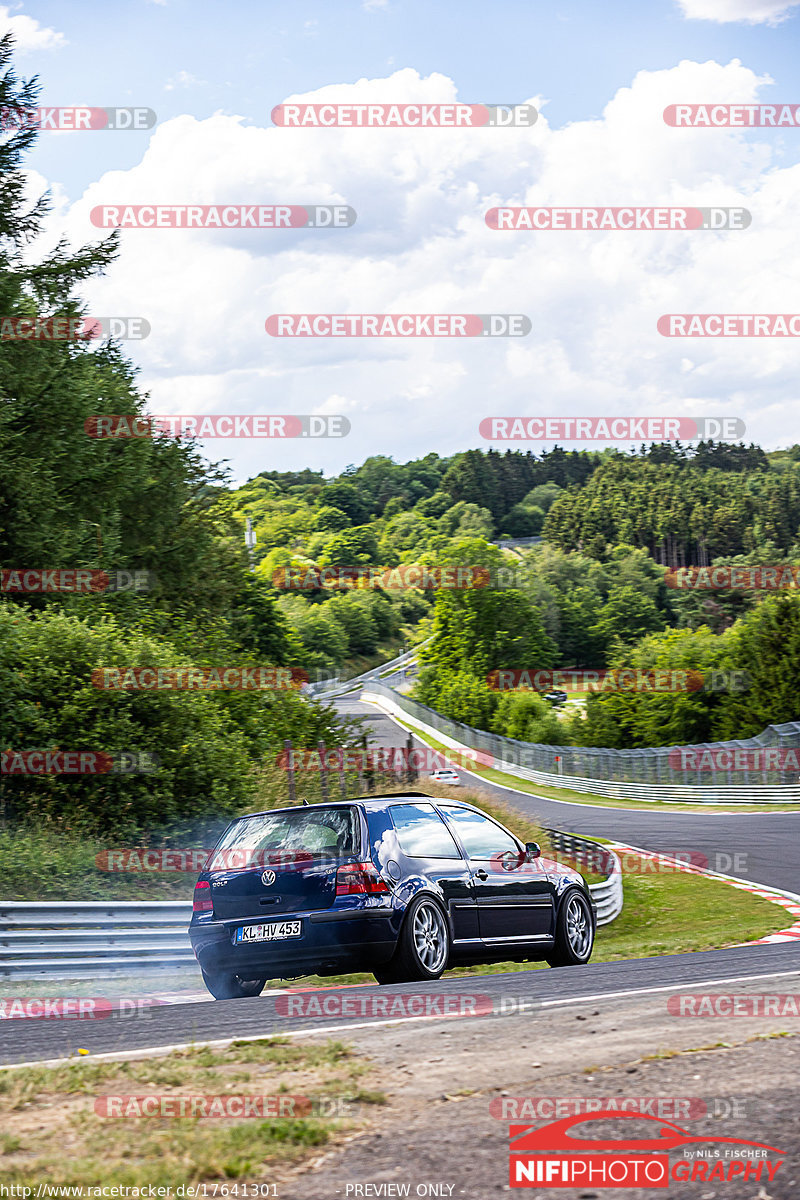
<point x="421" y="244"/>
<point x="183" y="79"/>
<point x="752" y="12"/>
<point x="29" y="35"/>
<point x="374" y="5"/>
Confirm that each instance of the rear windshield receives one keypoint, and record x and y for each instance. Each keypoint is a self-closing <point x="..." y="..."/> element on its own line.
<point x="312" y="832"/>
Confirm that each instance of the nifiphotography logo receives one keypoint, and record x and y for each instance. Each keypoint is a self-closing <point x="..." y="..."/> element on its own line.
<point x="632" y="1162"/>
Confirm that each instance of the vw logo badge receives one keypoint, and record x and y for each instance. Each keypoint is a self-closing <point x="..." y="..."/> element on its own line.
<point x="268" y="878"/>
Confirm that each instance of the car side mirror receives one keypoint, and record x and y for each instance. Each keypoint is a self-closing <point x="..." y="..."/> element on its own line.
<point x="533" y="850"/>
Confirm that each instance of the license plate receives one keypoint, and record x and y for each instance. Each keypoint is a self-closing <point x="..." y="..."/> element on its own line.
<point x="273" y="932"/>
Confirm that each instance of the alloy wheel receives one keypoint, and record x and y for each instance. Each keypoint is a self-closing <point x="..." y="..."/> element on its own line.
<point x="578" y="927"/>
<point x="430" y="937"/>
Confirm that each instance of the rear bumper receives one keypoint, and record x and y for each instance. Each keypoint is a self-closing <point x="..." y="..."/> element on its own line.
<point x="332" y="939"/>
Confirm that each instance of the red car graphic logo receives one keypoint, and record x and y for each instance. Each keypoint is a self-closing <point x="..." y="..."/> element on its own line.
<point x="526" y="1139"/>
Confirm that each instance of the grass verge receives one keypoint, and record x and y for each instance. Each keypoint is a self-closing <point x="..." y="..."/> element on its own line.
<point x="52" y="1133"/>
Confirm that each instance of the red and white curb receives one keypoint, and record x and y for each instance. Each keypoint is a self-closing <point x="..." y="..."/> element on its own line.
<point x="786" y="900"/>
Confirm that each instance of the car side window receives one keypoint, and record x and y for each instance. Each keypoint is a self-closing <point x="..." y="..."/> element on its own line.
<point x="482" y="838"/>
<point x="422" y="833"/>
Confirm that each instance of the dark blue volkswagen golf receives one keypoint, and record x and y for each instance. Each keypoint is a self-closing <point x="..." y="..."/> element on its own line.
<point x="399" y="885"/>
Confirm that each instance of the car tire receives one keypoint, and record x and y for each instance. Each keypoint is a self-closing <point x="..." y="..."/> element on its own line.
<point x="423" y="948"/>
<point x="574" y="931"/>
<point x="224" y="985"/>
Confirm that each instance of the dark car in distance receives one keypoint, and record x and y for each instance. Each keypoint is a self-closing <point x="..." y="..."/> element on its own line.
<point x="402" y="885"/>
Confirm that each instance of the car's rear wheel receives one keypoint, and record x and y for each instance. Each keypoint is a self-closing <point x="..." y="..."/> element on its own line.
<point x="574" y="932"/>
<point x="423" y="947"/>
<point x="224" y="985"/>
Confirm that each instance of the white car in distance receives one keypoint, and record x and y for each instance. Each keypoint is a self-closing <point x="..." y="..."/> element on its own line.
<point x="446" y="775"/>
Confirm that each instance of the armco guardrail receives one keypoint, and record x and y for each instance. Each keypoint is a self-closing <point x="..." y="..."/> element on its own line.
<point x="93" y="936"/>
<point x="337" y="687"/>
<point x="619" y="774"/>
<point x="598" y="859"/>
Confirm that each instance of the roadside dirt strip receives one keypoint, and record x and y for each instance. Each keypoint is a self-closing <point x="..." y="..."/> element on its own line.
<point x="455" y="1088"/>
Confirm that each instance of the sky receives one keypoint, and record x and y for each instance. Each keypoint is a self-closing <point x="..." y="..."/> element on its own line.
<point x="600" y="77"/>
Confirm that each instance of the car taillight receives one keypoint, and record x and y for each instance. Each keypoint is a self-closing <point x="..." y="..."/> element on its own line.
<point x="201" y="901"/>
<point x="359" y="879"/>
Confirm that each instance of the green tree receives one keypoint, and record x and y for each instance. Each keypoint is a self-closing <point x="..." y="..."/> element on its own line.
<point x="347" y="499"/>
<point x="582" y="642"/>
<point x="766" y="644"/>
<point x="324" y="639"/>
<point x="461" y="697"/>
<point x="355" y="619"/>
<point x="527" y="717"/>
<point x="524" y="520"/>
<point x="331" y="520"/>
<point x="47" y="662"/>
<point x="626" y="616"/>
<point x="470" y="478"/>
<point x="351" y="548"/>
<point x="480" y="629"/>
<point x="68" y="499"/>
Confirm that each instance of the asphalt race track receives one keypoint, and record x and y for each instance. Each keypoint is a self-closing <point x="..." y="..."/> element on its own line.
<point x="774" y="968"/>
<point x="770" y="842"/>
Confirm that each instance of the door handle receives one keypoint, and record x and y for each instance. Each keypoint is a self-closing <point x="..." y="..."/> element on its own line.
<point x="481" y="874"/>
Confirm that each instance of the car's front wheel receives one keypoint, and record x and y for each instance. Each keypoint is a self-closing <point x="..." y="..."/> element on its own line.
<point x="574" y="932"/>
<point x="224" y="985"/>
<point x="423" y="947"/>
